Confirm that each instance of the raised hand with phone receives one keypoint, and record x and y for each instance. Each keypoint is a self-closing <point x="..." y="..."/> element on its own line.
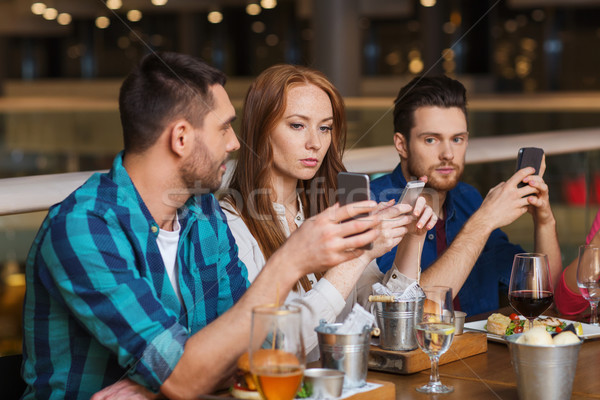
<point x="466" y="250"/>
<point x="396" y="219"/>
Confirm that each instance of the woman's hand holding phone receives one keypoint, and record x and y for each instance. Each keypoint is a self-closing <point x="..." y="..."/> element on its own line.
<point x="398" y="220"/>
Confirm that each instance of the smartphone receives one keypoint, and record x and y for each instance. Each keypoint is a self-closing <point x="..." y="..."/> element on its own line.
<point x="529" y="157"/>
<point x="411" y="192"/>
<point x="353" y="187"/>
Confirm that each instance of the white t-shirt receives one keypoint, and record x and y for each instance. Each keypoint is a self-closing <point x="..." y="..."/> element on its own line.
<point x="167" y="244"/>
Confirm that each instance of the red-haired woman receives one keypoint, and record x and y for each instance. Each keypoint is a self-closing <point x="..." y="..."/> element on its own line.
<point x="292" y="138"/>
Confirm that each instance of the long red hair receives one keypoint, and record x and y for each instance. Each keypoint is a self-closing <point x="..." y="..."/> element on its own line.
<point x="264" y="107"/>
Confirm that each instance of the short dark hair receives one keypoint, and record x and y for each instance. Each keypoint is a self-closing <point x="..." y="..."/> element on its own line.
<point x="162" y="87"/>
<point x="423" y="91"/>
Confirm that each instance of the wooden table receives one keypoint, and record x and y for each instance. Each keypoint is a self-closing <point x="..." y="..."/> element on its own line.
<point x="490" y="375"/>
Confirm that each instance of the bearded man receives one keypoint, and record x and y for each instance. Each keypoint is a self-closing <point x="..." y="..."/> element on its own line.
<point x="134" y="285"/>
<point x="466" y="250"/>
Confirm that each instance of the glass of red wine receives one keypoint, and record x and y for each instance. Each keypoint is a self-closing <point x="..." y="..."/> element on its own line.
<point x="530" y="289"/>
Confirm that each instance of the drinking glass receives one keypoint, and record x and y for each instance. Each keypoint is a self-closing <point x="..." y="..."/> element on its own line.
<point x="434" y="330"/>
<point x="588" y="278"/>
<point x="277" y="358"/>
<point x="530" y="289"/>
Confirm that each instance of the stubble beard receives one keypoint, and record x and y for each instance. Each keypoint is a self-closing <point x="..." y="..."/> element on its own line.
<point x="201" y="171"/>
<point x="440" y="184"/>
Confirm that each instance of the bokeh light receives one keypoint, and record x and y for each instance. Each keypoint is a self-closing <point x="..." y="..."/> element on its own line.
<point x="215" y="17"/>
<point x="102" y="22"/>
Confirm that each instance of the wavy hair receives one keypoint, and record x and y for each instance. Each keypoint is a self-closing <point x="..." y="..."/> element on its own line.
<point x="264" y="107"/>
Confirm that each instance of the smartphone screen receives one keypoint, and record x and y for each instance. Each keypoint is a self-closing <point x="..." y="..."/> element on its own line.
<point x="353" y="187"/>
<point x="411" y="192"/>
<point x="529" y="157"/>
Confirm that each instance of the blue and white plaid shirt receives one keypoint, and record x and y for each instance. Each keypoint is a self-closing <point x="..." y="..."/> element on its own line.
<point x="99" y="305"/>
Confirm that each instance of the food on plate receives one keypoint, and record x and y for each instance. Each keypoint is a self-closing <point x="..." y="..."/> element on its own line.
<point x="578" y="328"/>
<point x="500" y="324"/>
<point x="244" y="386"/>
<point x="497" y="323"/>
<point x="566" y="337"/>
<point x="536" y="336"/>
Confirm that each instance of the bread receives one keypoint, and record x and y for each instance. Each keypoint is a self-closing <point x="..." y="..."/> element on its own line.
<point x="536" y="336"/>
<point x="497" y="324"/>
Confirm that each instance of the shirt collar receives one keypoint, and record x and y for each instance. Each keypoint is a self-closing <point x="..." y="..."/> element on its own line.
<point x="127" y="189"/>
<point x="398" y="177"/>
<point x="280" y="211"/>
<point x="280" y="208"/>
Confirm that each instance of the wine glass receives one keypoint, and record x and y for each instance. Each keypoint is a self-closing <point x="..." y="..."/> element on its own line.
<point x="434" y="330"/>
<point x="277" y="358"/>
<point x="588" y="278"/>
<point x="530" y="289"/>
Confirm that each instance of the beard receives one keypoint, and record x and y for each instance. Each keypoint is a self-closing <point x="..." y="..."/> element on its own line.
<point x="443" y="183"/>
<point x="201" y="172"/>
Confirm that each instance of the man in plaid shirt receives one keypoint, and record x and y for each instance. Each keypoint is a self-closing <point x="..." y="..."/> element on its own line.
<point x="133" y="281"/>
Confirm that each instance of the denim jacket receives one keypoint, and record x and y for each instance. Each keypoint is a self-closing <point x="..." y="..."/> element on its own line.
<point x="491" y="273"/>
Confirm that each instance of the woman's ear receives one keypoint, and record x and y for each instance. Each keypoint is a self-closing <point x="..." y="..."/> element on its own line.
<point x="401" y="145"/>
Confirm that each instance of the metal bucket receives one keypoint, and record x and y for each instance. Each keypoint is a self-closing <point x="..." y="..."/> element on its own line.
<point x="543" y="372"/>
<point x="347" y="353"/>
<point x="396" y="321"/>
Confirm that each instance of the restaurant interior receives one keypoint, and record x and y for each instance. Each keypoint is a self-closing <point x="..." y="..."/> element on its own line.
<point x="531" y="68"/>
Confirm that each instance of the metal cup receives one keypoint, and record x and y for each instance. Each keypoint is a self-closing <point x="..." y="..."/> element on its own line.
<point x="347" y="353"/>
<point x="396" y="321"/>
<point x="459" y="322"/>
<point x="324" y="383"/>
<point x="543" y="372"/>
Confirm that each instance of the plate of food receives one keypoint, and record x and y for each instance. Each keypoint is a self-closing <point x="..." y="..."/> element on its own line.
<point x="499" y="325"/>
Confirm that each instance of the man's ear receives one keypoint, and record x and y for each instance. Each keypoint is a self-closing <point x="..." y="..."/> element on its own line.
<point x="401" y="145"/>
<point x="180" y="137"/>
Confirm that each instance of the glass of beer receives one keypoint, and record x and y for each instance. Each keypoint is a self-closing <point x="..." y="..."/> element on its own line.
<point x="277" y="358"/>
<point x="434" y="330"/>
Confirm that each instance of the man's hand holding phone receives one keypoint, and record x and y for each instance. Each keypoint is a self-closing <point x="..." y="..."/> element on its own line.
<point x="411" y="193"/>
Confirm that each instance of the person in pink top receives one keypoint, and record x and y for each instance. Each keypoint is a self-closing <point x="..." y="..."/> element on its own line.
<point x="567" y="297"/>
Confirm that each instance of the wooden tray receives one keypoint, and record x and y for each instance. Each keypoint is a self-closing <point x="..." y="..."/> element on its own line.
<point x="407" y="362"/>
<point x="385" y="392"/>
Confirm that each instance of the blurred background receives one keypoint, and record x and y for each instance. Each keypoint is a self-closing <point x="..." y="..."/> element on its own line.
<point x="530" y="66"/>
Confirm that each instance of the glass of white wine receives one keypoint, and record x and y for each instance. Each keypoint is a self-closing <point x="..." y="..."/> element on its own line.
<point x="588" y="278"/>
<point x="434" y="330"/>
<point x="277" y="357"/>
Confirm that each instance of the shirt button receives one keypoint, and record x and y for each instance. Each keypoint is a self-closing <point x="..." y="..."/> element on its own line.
<point x="154" y="229"/>
<point x="430" y="236"/>
<point x="394" y="276"/>
<point x="311" y="282"/>
<point x="298" y="217"/>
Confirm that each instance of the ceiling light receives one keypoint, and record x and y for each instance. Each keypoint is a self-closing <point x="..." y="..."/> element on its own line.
<point x="253" y="9"/>
<point x="159" y="2"/>
<point x="38" y="8"/>
<point x="268" y="4"/>
<point x="428" y="3"/>
<point x="114" y="4"/>
<point x="215" y="17"/>
<point x="134" y="15"/>
<point x="102" y="22"/>
<point x="64" y="18"/>
<point x="50" y="13"/>
<point x="258" y="27"/>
